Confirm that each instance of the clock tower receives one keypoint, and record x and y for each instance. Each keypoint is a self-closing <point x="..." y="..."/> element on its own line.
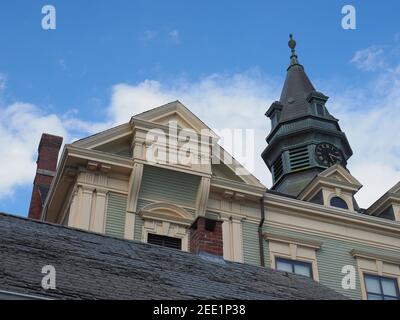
<point x="305" y="139"/>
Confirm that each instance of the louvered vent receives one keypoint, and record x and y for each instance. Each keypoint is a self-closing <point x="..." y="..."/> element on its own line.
<point x="277" y="168"/>
<point x="164" y="241"/>
<point x="299" y="158"/>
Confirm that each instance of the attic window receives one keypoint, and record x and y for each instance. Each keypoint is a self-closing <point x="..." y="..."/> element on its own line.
<point x="339" y="203"/>
<point x="164" y="241"/>
<point x="320" y="109"/>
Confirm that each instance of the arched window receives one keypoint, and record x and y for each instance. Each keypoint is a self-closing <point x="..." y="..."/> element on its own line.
<point x="339" y="203"/>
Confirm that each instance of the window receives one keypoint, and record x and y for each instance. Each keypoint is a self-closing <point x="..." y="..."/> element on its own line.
<point x="164" y="241"/>
<point x="339" y="203"/>
<point x="381" y="288"/>
<point x="294" y="266"/>
<point x="320" y="109"/>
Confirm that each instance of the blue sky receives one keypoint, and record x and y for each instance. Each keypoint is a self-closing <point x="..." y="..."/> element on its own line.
<point x="71" y="80"/>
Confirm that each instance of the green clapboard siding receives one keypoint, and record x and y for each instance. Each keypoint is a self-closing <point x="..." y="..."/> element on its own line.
<point x="143" y="203"/>
<point x="251" y="248"/>
<point x="168" y="185"/>
<point x="333" y="255"/>
<point x="116" y="212"/>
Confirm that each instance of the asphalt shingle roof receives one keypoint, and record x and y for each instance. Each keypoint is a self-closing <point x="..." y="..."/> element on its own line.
<point x="94" y="266"/>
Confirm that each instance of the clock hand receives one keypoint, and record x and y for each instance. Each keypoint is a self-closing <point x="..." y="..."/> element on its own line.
<point x="334" y="157"/>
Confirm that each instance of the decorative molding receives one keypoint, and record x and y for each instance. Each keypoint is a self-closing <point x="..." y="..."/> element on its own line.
<point x="45" y="172"/>
<point x="134" y="186"/>
<point x="202" y="196"/>
<point x="239" y="187"/>
<point x="95" y="155"/>
<point x="293" y="240"/>
<point x="166" y="212"/>
<point x="374" y="256"/>
<point x="312" y="210"/>
<point x="104" y="137"/>
<point x="325" y="180"/>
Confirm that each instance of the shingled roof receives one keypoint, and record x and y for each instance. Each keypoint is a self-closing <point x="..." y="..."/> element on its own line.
<point x="297" y="91"/>
<point x="94" y="266"/>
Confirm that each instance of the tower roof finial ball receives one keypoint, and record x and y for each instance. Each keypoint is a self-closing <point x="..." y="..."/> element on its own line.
<point x="292" y="42"/>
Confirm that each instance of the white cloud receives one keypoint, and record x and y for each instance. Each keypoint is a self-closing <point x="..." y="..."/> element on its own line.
<point x="229" y="101"/>
<point x="21" y="126"/>
<point x="221" y="101"/>
<point x="369" y="59"/>
<point x="174" y="36"/>
<point x="369" y="115"/>
<point x="148" y="35"/>
<point x="370" y="118"/>
<point x="62" y="64"/>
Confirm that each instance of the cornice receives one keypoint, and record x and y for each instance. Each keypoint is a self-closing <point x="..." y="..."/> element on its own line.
<point x="299" y="207"/>
<point x="383" y="203"/>
<point x="104" y="136"/>
<point x="288" y="239"/>
<point x="321" y="182"/>
<point x="162" y="217"/>
<point x="89" y="154"/>
<point x="237" y="186"/>
<point x="374" y="256"/>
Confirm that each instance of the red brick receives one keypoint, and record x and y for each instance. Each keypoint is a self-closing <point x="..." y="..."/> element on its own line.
<point x="48" y="150"/>
<point x="205" y="240"/>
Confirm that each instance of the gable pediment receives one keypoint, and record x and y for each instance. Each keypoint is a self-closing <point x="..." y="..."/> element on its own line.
<point x="176" y="112"/>
<point x="339" y="173"/>
<point x="166" y="212"/>
<point x="335" y="177"/>
<point x="390" y="198"/>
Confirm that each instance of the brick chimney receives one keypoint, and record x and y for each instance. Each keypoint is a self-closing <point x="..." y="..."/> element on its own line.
<point x="206" y="236"/>
<point x="48" y="149"/>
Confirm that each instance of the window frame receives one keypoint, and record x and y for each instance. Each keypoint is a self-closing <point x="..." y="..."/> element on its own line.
<point x="379" y="278"/>
<point x="322" y="108"/>
<point x="274" y="119"/>
<point x="293" y="262"/>
<point x="340" y="198"/>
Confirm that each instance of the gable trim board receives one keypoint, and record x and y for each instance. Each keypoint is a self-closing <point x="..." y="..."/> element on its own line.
<point x="177" y="107"/>
<point x="104" y="137"/>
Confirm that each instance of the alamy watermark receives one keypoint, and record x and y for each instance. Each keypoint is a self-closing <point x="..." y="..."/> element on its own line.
<point x="349" y="18"/>
<point x="49" y="21"/>
<point x="349" y="279"/>
<point x="49" y="280"/>
<point x="187" y="147"/>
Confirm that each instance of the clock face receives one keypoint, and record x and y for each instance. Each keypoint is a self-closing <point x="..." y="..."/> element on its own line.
<point x="328" y="155"/>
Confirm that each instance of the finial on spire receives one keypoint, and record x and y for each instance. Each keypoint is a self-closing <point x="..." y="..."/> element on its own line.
<point x="292" y="46"/>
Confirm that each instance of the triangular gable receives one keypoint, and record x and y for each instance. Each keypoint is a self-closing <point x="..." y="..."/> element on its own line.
<point x="335" y="176"/>
<point x="117" y="140"/>
<point x="339" y="173"/>
<point x="175" y="111"/>
<point x="178" y="112"/>
<point x="121" y="132"/>
<point x="388" y="198"/>
<point x="119" y="147"/>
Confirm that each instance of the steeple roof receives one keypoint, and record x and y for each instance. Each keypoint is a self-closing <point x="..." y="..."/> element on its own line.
<point x="297" y="89"/>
